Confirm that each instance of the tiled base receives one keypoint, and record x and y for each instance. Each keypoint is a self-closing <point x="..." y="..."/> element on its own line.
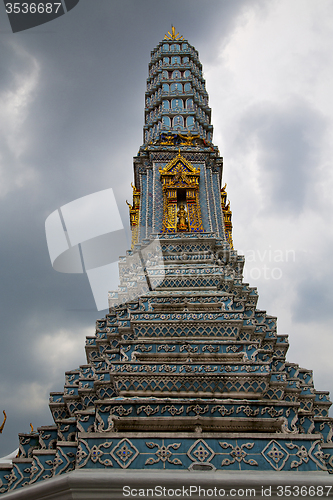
<point x="111" y="485"/>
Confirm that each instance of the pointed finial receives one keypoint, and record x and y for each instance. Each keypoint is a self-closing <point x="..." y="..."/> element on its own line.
<point x="32" y="428"/>
<point x="173" y="35"/>
<point x="4" y="421"/>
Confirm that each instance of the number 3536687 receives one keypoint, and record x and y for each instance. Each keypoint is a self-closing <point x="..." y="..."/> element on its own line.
<point x="32" y="8"/>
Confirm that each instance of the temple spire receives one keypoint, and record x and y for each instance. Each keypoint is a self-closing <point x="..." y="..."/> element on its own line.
<point x="176" y="96"/>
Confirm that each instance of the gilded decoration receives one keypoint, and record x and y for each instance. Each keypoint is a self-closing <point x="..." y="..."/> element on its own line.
<point x="134" y="211"/>
<point x="227" y="213"/>
<point x="172" y="139"/>
<point x="181" y="206"/>
<point x="173" y="35"/>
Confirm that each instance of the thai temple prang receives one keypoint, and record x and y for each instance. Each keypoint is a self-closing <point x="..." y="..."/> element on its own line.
<point x="184" y="373"/>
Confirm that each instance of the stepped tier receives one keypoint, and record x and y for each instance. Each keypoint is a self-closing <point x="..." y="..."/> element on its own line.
<point x="183" y="375"/>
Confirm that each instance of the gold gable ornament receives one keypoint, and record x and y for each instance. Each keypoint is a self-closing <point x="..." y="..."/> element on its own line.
<point x="181" y="205"/>
<point x="134" y="211"/>
<point x="4" y="421"/>
<point x="227" y="214"/>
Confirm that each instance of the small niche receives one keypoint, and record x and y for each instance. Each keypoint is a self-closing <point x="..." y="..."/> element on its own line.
<point x="199" y="466"/>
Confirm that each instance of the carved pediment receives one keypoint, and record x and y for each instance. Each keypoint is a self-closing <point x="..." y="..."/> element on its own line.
<point x="179" y="174"/>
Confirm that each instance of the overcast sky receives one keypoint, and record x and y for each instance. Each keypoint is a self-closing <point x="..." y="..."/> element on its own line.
<point x="71" y="105"/>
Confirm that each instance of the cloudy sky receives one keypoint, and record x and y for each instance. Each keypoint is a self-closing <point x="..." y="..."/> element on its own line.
<point x="71" y="105"/>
